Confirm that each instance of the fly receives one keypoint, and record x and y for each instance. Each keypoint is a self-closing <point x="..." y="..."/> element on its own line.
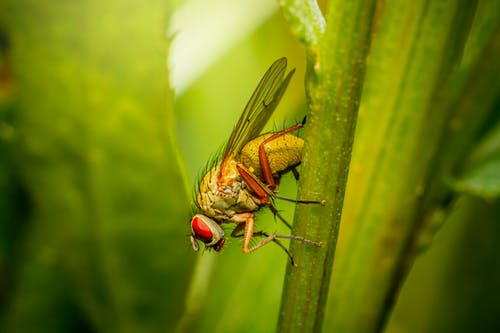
<point x="246" y="176"/>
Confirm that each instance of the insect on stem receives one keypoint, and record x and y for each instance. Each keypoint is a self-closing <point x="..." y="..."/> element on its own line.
<point x="246" y="177"/>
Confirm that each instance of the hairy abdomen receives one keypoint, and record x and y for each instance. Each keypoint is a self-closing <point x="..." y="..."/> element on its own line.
<point x="283" y="153"/>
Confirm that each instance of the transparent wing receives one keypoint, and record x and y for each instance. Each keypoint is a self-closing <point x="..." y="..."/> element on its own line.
<point x="260" y="107"/>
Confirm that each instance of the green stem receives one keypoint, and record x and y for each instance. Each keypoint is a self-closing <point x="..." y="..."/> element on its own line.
<point x="397" y="142"/>
<point x="334" y="83"/>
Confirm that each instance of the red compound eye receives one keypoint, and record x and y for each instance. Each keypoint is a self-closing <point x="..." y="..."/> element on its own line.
<point x="201" y="229"/>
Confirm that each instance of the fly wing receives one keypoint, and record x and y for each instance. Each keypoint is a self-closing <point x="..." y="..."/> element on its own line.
<point x="260" y="107"/>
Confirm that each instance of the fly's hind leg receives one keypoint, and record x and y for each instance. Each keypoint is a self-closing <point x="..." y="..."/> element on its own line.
<point x="277" y="214"/>
<point x="266" y="167"/>
<point x="264" y="160"/>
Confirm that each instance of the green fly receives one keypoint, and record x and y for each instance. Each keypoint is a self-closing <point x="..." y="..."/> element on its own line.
<point x="246" y="176"/>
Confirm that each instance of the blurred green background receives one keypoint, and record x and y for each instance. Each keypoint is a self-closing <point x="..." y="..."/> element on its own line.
<point x="99" y="153"/>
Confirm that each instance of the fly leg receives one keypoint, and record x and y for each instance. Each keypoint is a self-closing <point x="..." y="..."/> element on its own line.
<point x="236" y="233"/>
<point x="260" y="189"/>
<point x="263" y="191"/>
<point x="264" y="160"/>
<point x="277" y="214"/>
<point x="248" y="218"/>
<point x="272" y="238"/>
<point x="296" y="174"/>
<point x="266" y="167"/>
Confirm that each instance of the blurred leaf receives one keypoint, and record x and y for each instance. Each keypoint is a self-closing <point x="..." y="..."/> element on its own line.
<point x="454" y="286"/>
<point x="95" y="148"/>
<point x="197" y="32"/>
<point x="483" y="180"/>
<point x="482" y="175"/>
<point x="38" y="299"/>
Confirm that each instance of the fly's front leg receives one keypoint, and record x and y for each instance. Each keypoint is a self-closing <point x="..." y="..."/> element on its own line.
<point x="236" y="231"/>
<point x="264" y="160"/>
<point x="248" y="219"/>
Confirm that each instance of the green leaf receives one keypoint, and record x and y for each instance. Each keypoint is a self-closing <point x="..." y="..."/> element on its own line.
<point x="453" y="287"/>
<point x="95" y="148"/>
<point x="483" y="180"/>
<point x="481" y="176"/>
<point x="305" y="20"/>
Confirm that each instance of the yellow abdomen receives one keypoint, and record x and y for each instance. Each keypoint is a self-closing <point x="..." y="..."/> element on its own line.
<point x="283" y="153"/>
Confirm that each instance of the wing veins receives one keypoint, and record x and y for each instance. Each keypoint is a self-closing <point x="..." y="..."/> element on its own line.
<point x="260" y="107"/>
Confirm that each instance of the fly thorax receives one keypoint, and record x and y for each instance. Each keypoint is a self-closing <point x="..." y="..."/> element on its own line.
<point x="223" y="202"/>
<point x="228" y="173"/>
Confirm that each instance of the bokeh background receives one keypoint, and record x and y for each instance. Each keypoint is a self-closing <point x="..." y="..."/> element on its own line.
<point x="109" y="110"/>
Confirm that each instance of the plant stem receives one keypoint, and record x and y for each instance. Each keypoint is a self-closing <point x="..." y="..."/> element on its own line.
<point x="334" y="82"/>
<point x="397" y="141"/>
